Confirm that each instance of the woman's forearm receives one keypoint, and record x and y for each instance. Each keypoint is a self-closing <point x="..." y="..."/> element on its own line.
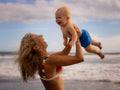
<point x="79" y="52"/>
<point x="65" y="51"/>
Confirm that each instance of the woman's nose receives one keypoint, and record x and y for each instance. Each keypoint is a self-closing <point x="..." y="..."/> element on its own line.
<point x="41" y="35"/>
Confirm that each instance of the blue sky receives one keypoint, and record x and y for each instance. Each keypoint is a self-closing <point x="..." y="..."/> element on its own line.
<point x="100" y="17"/>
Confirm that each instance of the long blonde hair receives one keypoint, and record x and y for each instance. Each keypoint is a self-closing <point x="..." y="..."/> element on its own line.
<point x="28" y="61"/>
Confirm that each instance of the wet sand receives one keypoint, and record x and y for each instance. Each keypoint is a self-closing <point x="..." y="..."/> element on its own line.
<point x="6" y="84"/>
<point x="92" y="85"/>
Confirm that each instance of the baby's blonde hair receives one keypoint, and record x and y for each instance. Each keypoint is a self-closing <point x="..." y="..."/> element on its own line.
<point x="65" y="10"/>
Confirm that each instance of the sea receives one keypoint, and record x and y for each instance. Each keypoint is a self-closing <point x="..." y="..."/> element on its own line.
<point x="93" y="68"/>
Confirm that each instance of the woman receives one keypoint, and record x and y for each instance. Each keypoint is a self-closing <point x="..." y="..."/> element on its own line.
<point x="33" y="57"/>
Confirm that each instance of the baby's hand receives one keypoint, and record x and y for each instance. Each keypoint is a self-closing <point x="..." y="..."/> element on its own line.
<point x="65" y="43"/>
<point x="71" y="43"/>
<point x="76" y="29"/>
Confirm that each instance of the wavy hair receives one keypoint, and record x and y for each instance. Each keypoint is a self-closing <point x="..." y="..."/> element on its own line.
<point x="28" y="61"/>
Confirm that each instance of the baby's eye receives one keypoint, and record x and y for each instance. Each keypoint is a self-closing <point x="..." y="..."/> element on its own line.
<point x="59" y="17"/>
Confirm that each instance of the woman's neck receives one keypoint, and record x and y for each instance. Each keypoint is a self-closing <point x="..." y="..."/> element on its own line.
<point x="43" y="55"/>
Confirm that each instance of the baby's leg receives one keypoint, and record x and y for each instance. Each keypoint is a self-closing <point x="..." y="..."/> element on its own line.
<point x="92" y="49"/>
<point x="96" y="43"/>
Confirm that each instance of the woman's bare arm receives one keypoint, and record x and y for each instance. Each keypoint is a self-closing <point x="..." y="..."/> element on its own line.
<point x="65" y="51"/>
<point x="58" y="60"/>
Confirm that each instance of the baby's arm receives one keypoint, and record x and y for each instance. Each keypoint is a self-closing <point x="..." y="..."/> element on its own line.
<point x="64" y="40"/>
<point x="73" y="36"/>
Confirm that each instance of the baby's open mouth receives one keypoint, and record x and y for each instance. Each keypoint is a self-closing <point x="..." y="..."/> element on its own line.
<point x="59" y="22"/>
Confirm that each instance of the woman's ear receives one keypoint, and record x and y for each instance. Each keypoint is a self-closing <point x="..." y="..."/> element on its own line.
<point x="35" y="47"/>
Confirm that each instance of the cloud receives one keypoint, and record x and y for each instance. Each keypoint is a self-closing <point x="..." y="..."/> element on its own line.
<point x="110" y="44"/>
<point x="85" y="10"/>
<point x="115" y="22"/>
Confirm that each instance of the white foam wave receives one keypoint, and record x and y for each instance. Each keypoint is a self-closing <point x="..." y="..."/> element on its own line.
<point x="88" y="70"/>
<point x="7" y="56"/>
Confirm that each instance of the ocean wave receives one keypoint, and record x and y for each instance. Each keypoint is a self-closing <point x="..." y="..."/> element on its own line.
<point x="7" y="56"/>
<point x="91" y="69"/>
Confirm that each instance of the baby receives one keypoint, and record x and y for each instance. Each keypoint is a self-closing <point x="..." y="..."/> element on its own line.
<point x="63" y="16"/>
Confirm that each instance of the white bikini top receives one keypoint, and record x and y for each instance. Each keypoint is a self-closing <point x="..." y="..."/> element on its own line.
<point x="58" y="71"/>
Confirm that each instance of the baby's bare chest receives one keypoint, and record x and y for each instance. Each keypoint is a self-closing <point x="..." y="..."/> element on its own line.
<point x="66" y="33"/>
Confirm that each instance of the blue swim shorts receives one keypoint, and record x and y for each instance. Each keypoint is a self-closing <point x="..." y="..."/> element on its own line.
<point x="85" y="38"/>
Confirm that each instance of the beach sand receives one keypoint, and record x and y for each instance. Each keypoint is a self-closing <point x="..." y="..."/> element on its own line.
<point x="13" y="84"/>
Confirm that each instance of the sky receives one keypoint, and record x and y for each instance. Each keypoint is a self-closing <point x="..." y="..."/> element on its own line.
<point x="100" y="17"/>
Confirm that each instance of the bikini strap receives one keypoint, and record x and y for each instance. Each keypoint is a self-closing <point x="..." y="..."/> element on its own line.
<point x="44" y="60"/>
<point x="58" y="71"/>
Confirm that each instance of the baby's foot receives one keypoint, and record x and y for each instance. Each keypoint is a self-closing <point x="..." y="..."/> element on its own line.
<point x="101" y="55"/>
<point x="100" y="45"/>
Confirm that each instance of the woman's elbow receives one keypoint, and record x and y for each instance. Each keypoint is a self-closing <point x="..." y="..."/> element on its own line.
<point x="81" y="58"/>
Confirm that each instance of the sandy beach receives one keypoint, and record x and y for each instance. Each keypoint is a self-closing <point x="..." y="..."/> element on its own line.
<point x="93" y="74"/>
<point x="69" y="85"/>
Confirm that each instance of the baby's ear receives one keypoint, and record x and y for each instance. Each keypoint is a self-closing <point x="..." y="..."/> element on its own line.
<point x="68" y="18"/>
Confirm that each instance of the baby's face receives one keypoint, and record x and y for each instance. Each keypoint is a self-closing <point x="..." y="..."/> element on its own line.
<point x="61" y="19"/>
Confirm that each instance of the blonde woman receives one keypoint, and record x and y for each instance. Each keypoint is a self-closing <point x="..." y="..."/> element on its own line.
<point x="33" y="57"/>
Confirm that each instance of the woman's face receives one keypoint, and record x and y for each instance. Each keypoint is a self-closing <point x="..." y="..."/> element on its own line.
<point x="39" y="41"/>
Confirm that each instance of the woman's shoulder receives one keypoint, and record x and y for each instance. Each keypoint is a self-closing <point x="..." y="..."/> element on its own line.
<point x="53" y="59"/>
<point x="50" y="56"/>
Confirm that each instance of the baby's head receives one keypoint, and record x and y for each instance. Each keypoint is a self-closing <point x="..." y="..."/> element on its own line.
<point x="64" y="11"/>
